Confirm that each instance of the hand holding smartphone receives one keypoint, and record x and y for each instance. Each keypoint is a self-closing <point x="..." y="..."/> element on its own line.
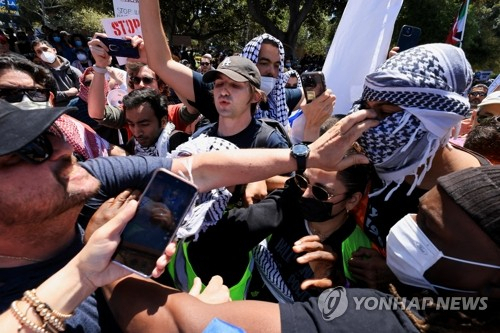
<point x="161" y="210"/>
<point x="409" y="36"/>
<point x="313" y="84"/>
<point x="120" y="47"/>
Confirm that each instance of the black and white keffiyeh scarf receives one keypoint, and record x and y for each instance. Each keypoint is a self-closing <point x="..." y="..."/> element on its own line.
<point x="209" y="206"/>
<point x="160" y="148"/>
<point x="429" y="83"/>
<point x="278" y="110"/>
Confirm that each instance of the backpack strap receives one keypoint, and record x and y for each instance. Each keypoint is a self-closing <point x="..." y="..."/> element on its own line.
<point x="265" y="131"/>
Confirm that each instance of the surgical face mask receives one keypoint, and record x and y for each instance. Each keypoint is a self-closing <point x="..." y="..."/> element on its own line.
<point x="288" y="65"/>
<point x="28" y="104"/>
<point x="57" y="39"/>
<point x="314" y="210"/>
<point x="48" y="57"/>
<point x="78" y="43"/>
<point x="81" y="56"/>
<point x="267" y="84"/>
<point x="410" y="253"/>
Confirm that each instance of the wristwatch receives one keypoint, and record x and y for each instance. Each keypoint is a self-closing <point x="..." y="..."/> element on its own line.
<point x="300" y="152"/>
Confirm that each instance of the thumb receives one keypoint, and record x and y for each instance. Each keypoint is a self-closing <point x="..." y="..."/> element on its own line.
<point x="196" y="288"/>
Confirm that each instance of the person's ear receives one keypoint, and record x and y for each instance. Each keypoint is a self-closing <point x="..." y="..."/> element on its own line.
<point x="353" y="201"/>
<point x="52" y="99"/>
<point x="257" y="96"/>
<point x="164" y="121"/>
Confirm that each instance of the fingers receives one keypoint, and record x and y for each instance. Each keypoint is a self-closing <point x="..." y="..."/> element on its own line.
<point x="323" y="283"/>
<point x="196" y="288"/>
<point x="215" y="282"/>
<point x="164" y="259"/>
<point x="116" y="225"/>
<point x="309" y="257"/>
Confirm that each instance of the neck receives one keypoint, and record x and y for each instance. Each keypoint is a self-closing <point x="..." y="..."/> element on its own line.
<point x="232" y="126"/>
<point x="23" y="244"/>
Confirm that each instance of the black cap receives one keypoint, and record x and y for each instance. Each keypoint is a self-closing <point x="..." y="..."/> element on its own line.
<point x="236" y="68"/>
<point x="18" y="127"/>
<point x="477" y="191"/>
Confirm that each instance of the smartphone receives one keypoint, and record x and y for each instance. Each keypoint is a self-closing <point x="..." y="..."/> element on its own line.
<point x="313" y="84"/>
<point x="162" y="208"/>
<point x="120" y="47"/>
<point x="409" y="36"/>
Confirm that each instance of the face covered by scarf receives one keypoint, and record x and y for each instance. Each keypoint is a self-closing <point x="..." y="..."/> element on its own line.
<point x="278" y="110"/>
<point x="429" y="83"/>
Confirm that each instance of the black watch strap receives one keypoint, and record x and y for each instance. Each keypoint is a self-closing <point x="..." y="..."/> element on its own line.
<point x="300" y="152"/>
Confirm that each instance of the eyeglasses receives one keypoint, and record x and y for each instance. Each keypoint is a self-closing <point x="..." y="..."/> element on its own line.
<point x="482" y="119"/>
<point x="204" y="63"/>
<point x="318" y="192"/>
<point x="87" y="83"/>
<point x="477" y="93"/>
<point x="145" y="80"/>
<point x="14" y="95"/>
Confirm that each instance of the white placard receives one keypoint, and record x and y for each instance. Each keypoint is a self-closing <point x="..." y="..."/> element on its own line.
<point x="126" y="7"/>
<point x="119" y="27"/>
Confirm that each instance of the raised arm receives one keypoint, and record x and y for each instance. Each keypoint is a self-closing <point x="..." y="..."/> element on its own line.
<point x="173" y="73"/>
<point x="97" y="98"/>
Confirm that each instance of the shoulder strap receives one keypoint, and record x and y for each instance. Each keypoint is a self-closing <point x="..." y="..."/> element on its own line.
<point x="265" y="131"/>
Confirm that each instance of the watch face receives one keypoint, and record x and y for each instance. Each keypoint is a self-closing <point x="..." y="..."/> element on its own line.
<point x="300" y="149"/>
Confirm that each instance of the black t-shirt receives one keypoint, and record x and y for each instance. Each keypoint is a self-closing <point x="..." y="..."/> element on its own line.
<point x="247" y="138"/>
<point x="301" y="317"/>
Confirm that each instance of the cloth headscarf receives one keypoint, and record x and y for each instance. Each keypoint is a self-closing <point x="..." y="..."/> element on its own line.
<point x="84" y="90"/>
<point x="209" y="206"/>
<point x="287" y="74"/>
<point x="429" y="82"/>
<point x="278" y="110"/>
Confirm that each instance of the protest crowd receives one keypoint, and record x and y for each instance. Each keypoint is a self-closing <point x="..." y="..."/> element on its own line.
<point x="301" y="209"/>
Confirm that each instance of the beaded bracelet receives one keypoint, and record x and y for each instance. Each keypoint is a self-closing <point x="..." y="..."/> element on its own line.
<point x="49" y="316"/>
<point x="24" y="321"/>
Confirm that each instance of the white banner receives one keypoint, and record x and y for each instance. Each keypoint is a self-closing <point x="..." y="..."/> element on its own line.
<point x="360" y="44"/>
<point x="126" y="7"/>
<point x="119" y="27"/>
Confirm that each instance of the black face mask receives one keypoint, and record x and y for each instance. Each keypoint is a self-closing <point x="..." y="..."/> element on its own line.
<point x="314" y="210"/>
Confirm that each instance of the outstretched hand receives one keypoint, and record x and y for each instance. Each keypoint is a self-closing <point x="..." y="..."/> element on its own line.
<point x="328" y="151"/>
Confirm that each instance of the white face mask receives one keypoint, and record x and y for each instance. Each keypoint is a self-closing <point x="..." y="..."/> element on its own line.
<point x="48" y="57"/>
<point x="28" y="104"/>
<point x="267" y="84"/>
<point x="410" y="253"/>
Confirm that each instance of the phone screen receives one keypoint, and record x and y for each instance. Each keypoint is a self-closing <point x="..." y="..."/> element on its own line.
<point x="313" y="84"/>
<point x="162" y="207"/>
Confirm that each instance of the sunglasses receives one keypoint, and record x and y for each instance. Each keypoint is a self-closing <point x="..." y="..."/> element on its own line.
<point x="14" y="95"/>
<point x="145" y="80"/>
<point x="205" y="63"/>
<point x="475" y="94"/>
<point x="482" y="119"/>
<point x="40" y="149"/>
<point x="318" y="192"/>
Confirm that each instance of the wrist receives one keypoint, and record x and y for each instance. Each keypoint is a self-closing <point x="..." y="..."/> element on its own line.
<point x="99" y="69"/>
